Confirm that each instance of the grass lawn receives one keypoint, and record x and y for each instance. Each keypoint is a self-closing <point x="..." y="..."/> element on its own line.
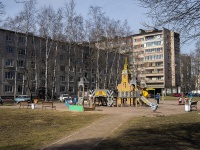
<point x="160" y="133"/>
<point x="22" y="129"/>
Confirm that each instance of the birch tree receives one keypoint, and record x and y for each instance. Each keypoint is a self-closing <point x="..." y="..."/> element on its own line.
<point x="28" y="25"/>
<point x="195" y="67"/>
<point x="74" y="35"/>
<point x="58" y="38"/>
<point x="96" y="18"/>
<point x="45" y="22"/>
<point x="70" y="33"/>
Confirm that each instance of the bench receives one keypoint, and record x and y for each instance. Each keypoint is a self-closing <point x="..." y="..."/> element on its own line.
<point x="24" y="104"/>
<point x="193" y="105"/>
<point x="7" y="101"/>
<point x="48" y="104"/>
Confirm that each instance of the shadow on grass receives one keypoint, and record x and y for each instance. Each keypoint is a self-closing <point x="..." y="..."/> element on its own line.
<point x="165" y="137"/>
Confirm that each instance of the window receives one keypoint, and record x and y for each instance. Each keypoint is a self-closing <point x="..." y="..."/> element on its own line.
<point x="33" y="54"/>
<point x="86" y="56"/>
<point x="9" y="49"/>
<point x="33" y="89"/>
<point x="9" y="75"/>
<point x="19" y="88"/>
<point x="155" y="43"/>
<point x="62" y="78"/>
<point x="71" y="79"/>
<point x="71" y="89"/>
<point x="20" y="63"/>
<point x="8" y="37"/>
<point x="71" y="69"/>
<point x="21" y="51"/>
<point x="86" y="75"/>
<point x="33" y="64"/>
<point x="43" y="72"/>
<point x="20" y="76"/>
<point x="33" y="76"/>
<point x="33" y="41"/>
<point x="21" y="39"/>
<point x="8" y="88"/>
<point x="9" y="63"/>
<point x="93" y="71"/>
<point x="79" y="69"/>
<point x="93" y="80"/>
<point x="61" y="57"/>
<point x="62" y="88"/>
<point x="158" y="78"/>
<point x="62" y="68"/>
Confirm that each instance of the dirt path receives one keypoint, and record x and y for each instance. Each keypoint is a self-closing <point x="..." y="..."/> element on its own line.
<point x="90" y="136"/>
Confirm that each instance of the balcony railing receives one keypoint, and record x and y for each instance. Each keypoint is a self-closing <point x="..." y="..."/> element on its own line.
<point x="154" y="81"/>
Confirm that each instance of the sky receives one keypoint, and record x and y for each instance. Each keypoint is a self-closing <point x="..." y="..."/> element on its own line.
<point x="114" y="9"/>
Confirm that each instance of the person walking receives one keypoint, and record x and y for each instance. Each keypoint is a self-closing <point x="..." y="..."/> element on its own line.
<point x="157" y="98"/>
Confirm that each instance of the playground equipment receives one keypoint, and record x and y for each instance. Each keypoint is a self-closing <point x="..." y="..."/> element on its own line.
<point x="129" y="92"/>
<point x="102" y="97"/>
<point x="91" y="98"/>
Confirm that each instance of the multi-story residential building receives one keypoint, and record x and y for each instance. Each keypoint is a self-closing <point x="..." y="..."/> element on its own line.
<point x="28" y="65"/>
<point x="155" y="59"/>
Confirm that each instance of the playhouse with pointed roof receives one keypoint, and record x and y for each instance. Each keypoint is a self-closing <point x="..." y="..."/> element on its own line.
<point x="128" y="92"/>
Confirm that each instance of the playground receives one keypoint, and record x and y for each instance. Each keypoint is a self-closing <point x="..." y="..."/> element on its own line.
<point x="128" y="120"/>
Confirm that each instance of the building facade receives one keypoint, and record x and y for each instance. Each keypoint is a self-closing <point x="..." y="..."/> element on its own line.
<point x="30" y="63"/>
<point x="155" y="60"/>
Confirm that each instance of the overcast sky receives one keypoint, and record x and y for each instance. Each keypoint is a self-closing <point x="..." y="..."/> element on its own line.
<point x="116" y="9"/>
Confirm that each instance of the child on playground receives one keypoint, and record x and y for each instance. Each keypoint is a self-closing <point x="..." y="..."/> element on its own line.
<point x="157" y="98"/>
<point x="180" y="100"/>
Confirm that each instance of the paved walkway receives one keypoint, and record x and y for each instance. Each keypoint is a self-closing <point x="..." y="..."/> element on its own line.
<point x="89" y="137"/>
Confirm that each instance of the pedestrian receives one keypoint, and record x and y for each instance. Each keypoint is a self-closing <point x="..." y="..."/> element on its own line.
<point x="180" y="100"/>
<point x="190" y="95"/>
<point x="157" y="98"/>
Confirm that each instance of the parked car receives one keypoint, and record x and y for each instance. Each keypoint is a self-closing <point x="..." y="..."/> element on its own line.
<point x="22" y="98"/>
<point x="64" y="97"/>
<point x="177" y="94"/>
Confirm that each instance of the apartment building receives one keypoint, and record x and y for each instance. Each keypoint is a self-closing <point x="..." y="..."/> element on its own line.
<point x="27" y="64"/>
<point x="155" y="59"/>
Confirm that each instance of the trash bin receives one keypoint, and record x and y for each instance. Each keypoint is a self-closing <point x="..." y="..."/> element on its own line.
<point x="187" y="105"/>
<point x="68" y="102"/>
<point x="32" y="105"/>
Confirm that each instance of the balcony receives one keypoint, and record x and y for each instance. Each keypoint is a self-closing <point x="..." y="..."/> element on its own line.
<point x="154" y="81"/>
<point x="154" y="74"/>
<point x="155" y="85"/>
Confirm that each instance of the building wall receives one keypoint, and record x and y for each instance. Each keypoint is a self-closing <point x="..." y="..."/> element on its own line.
<point x="155" y="58"/>
<point x="71" y="62"/>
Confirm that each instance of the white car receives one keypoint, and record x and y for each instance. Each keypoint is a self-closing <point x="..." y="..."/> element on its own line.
<point x="22" y="98"/>
<point x="64" y="97"/>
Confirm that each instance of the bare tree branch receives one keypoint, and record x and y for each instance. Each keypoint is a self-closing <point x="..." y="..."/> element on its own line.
<point x="181" y="15"/>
